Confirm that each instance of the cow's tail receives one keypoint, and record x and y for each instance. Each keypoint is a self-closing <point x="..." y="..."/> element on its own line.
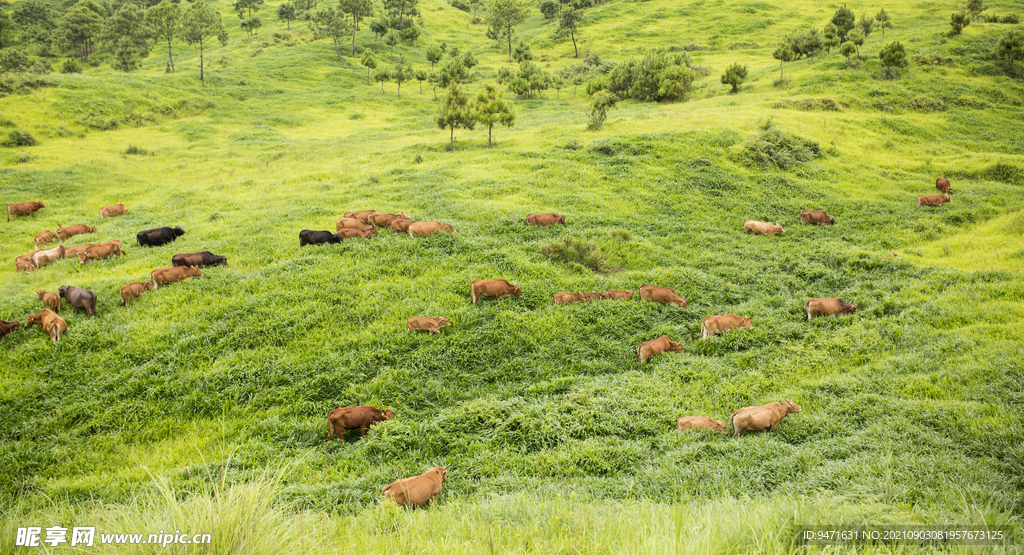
<point x="807" y="309"/>
<point x="386" y="492"/>
<point x="732" y="420"/>
<point x="704" y="328"/>
<point x="472" y="292"/>
<point x="639" y="356"/>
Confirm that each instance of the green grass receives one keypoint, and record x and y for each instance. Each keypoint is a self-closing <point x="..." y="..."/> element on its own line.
<point x="196" y="393"/>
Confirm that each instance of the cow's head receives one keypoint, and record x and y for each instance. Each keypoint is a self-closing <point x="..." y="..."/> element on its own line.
<point x="791" y="407"/>
<point x="449" y="228"/>
<point x="444" y="322"/>
<point x="441" y="471"/>
<point x="778" y="228"/>
<point x="946" y="198"/>
<point x="41" y="294"/>
<point x="848" y="308"/>
<point x="675" y="347"/>
<point x="517" y="291"/>
<point x="63" y="291"/>
<point x="92" y="229"/>
<point x="720" y="427"/>
<point x="831" y="221"/>
<point x="222" y="260"/>
<point x="34" y="319"/>
<point x="561" y="220"/>
<point x="387" y="414"/>
<point x="177" y="231"/>
<point x="147" y="285"/>
<point x="61" y="250"/>
<point x="194" y="271"/>
<point x="82" y="257"/>
<point x="746" y="323"/>
<point x="41" y="205"/>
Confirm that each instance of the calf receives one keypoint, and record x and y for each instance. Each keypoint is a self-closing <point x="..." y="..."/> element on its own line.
<point x="312" y="237"/>
<point x="113" y="210"/>
<point x="422" y="229"/>
<point x="361" y="215"/>
<point x="421" y="323"/>
<point x="932" y="200"/>
<point x="561" y="298"/>
<point x="401" y="225"/>
<point x="544" y="219"/>
<point x="42" y="258"/>
<point x="764" y="417"/>
<point x="355" y="234"/>
<point x="817" y="217"/>
<point x="690" y="422"/>
<point x="102" y="250"/>
<point x="7" y="327"/>
<point x="725" y="322"/>
<point x="499" y="288"/>
<point x="352" y="418"/>
<point x="198" y="259"/>
<point x="53" y="325"/>
<point x="417" y="490"/>
<point x="23" y="263"/>
<point x="163" y="276"/>
<point x="591" y="296"/>
<point x="664" y="295"/>
<point x="23" y="209"/>
<point x="158" y="236"/>
<point x="64" y="232"/>
<point x="77" y="297"/>
<point x="761" y="228"/>
<point x="942" y="184"/>
<point x="385" y="220"/>
<point x="655" y="347"/>
<point x="616" y="294"/>
<point x="44" y="238"/>
<point x="51" y="300"/>
<point x="828" y="307"/>
<point x="352" y="223"/>
<point x="132" y="290"/>
<point x="75" y="250"/>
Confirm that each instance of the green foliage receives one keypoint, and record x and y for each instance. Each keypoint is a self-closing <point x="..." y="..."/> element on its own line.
<point x="783" y="54"/>
<point x="434" y="55"/>
<point x="453" y="71"/>
<point x="958" y="21"/>
<point x="866" y="23"/>
<point x="504" y="16"/>
<point x="80" y="27"/>
<point x="569" y="21"/>
<point x="773" y="147"/>
<point x="848" y="49"/>
<point x="734" y="76"/>
<point x="133" y="150"/>
<point x="805" y="43"/>
<point x="528" y="81"/>
<point x="831" y="37"/>
<point x="585" y="255"/>
<point x="975" y="7"/>
<point x="1011" y="47"/>
<point x="391" y="40"/>
<point x="164" y="19"/>
<point x="71" y="66"/>
<point x="402" y="72"/>
<point x="128" y="34"/>
<point x="549" y="9"/>
<point x="332" y="22"/>
<point x="16" y="137"/>
<point x="844" y="20"/>
<point x="455" y="111"/>
<point x="491" y="109"/>
<point x="369" y="61"/>
<point x="286" y="12"/>
<point x="883" y="20"/>
<point x="410" y="34"/>
<point x="893" y="57"/>
<point x="657" y="77"/>
<point x="600" y="103"/>
<point x="522" y="52"/>
<point x="383" y="75"/>
<point x="199" y="24"/>
<point x="13" y="61"/>
<point x="469" y="60"/>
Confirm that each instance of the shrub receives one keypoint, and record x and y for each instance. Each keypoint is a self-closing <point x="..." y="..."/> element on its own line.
<point x="655" y="77"/>
<point x="19" y="138"/>
<point x="600" y="103"/>
<point x="41" y="68"/>
<point x="71" y="66"/>
<point x="893" y="56"/>
<point x="775" y="147"/>
<point x="460" y="5"/>
<point x="135" y="150"/>
<point x="13" y="61"/>
<point x="582" y="254"/>
<point x="734" y="76"/>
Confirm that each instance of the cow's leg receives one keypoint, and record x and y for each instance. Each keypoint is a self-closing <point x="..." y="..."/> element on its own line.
<point x="362" y="432"/>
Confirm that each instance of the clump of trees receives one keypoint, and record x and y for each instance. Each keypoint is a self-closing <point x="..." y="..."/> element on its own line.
<point x="1011" y="47"/>
<point x="657" y="77"/>
<point x="503" y="16"/>
<point x="457" y="111"/>
<point x="528" y="81"/>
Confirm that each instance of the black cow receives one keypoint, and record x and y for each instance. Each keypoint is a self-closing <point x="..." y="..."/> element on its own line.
<point x="310" y="237"/>
<point x="79" y="298"/>
<point x="159" y="236"/>
<point x="200" y="259"/>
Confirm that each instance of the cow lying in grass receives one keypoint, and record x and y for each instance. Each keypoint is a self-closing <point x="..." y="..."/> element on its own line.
<point x="704" y="422"/>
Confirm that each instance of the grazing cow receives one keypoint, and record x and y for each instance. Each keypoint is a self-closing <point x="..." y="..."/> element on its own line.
<point x="544" y="219"/>
<point x="423" y="323"/>
<point x="828" y="307"/>
<point x="761" y="228"/>
<point x="75" y="250"/>
<point x="817" y="217"/>
<point x="942" y="184"/>
<point x="725" y="322"/>
<point x="42" y="258"/>
<point x="361" y="215"/>
<point x="311" y="237"/>
<point x="51" y="300"/>
<point x="77" y="297"/>
<point x="352" y="223"/>
<point x="198" y="259"/>
<point x="132" y="290"/>
<point x="422" y="229"/>
<point x="354" y="418"/>
<point x="24" y="262"/>
<point x="113" y="210"/>
<point x="932" y="200"/>
<point x="417" y="490"/>
<point x="64" y="232"/>
<point x="348" y="233"/>
<point x="615" y="294"/>
<point x="764" y="417"/>
<point x="664" y="295"/>
<point x="591" y="296"/>
<point x="690" y="422"/>
<point x="655" y="347"/>
<point x="7" y="327"/>
<point x="44" y="238"/>
<point x="561" y="298"/>
<point x="401" y="225"/>
<point x="493" y="288"/>
<point x="385" y="220"/>
<point x="158" y="236"/>
<point x="23" y="209"/>
<point x="163" y="276"/>
<point x="102" y="250"/>
<point x="53" y="325"/>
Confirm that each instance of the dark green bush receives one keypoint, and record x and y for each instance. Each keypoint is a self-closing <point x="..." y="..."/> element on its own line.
<point x="655" y="77"/>
<point x="71" y="66"/>
<point x="136" y="150"/>
<point x="775" y="147"/>
<point x="19" y="138"/>
<point x="583" y="254"/>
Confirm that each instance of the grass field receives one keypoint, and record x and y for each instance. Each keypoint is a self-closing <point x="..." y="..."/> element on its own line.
<point x="202" y="406"/>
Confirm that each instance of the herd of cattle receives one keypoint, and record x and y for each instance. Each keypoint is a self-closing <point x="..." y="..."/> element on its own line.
<point x="417" y="490"/>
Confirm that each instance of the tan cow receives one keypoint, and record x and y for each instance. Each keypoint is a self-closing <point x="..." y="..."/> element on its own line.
<point x="942" y="184"/>
<point x="74" y="250"/>
<point x="132" y="290"/>
<point x="424" y="323"/>
<point x="53" y="325"/>
<point x="828" y="307"/>
<point x="64" y="232"/>
<point x="562" y="298"/>
<point x="499" y="288"/>
<point x="44" y="238"/>
<point x="724" y="322"/>
<point x="384" y="220"/>
<point x="761" y="228"/>
<point x="163" y="276"/>
<point x="113" y="210"/>
<point x="360" y="215"/>
<point x="23" y="263"/>
<point x="544" y="219"/>
<point x="616" y="294"/>
<point x="42" y="258"/>
<point x="655" y="347"/>
<point x="690" y="422"/>
<point x="665" y="295"/>
<point x="818" y="217"/>
<point x="422" y="229"/>
<point x="23" y="209"/>
<point x="102" y="250"/>
<point x="401" y="225"/>
<point x="932" y="200"/>
<point x="355" y="418"/>
<point x="353" y="223"/>
<point x="417" y="490"/>
<point x="349" y="233"/>
<point x="51" y="300"/>
<point x="764" y="417"/>
<point x="591" y="296"/>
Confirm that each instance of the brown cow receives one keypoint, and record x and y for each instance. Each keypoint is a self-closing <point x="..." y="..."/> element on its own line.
<point x="817" y="217"/>
<point x="655" y="347"/>
<point x="44" y="238"/>
<point x="725" y="322"/>
<point x="64" y="232"/>
<point x="932" y="200"/>
<point x="761" y="228"/>
<point x="422" y="229"/>
<point x="163" y="276"/>
<point x="113" y="210"/>
<point x="349" y="233"/>
<point x="590" y="296"/>
<point x="352" y="223"/>
<point x="132" y="290"/>
<point x="353" y="418"/>
<point x="616" y="294"/>
<point x="417" y="490"/>
<point x="401" y="225"/>
<point x="7" y="327"/>
<point x="361" y="215"/>
<point x="42" y="258"/>
<point x="942" y="184"/>
<point x="764" y="417"/>
<point x="74" y="250"/>
<point x="561" y="298"/>
<point x="665" y="295"/>
<point x="51" y="300"/>
<point x="102" y="250"/>
<point x="493" y="288"/>
<point x="544" y="219"/>
<point x="52" y="324"/>
<point x="828" y="307"/>
<point x="23" y="209"/>
<point x="690" y="422"/>
<point x="24" y="262"/>
<point x="424" y="323"/>
<point x="384" y="220"/>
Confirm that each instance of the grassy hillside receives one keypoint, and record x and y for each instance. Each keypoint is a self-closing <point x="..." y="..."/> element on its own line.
<point x="211" y="394"/>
